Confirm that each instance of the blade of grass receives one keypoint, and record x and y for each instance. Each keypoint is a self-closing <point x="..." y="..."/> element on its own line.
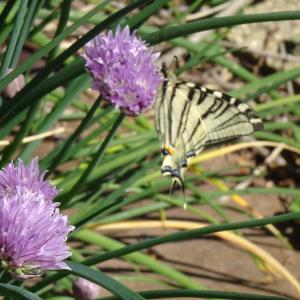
<point x="12" y="123"/>
<point x="266" y="84"/>
<point x="143" y="16"/>
<point x="256" y="190"/>
<point x="103" y="205"/>
<point x="32" y="10"/>
<point x="172" y="32"/>
<point x="278" y="138"/>
<point x="11" y="149"/>
<point x="139" y="258"/>
<point x="248" y="209"/>
<point x="103" y="280"/>
<point x="195" y="233"/>
<point x="107" y="167"/>
<point x="62" y="23"/>
<point x="278" y="102"/>
<point x="173" y="237"/>
<point x="230" y="237"/>
<point x="35" y="137"/>
<point x="45" y="20"/>
<point x="74" y="151"/>
<point x="77" y="86"/>
<point x="15" y="292"/>
<point x="93" y="163"/>
<point x="5" y="12"/>
<point x="64" y="151"/>
<point x="69" y="72"/>
<point x="6" y="61"/>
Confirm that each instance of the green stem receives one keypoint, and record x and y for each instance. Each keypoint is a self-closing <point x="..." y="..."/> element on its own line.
<point x="77" y="86"/>
<point x="24" y="31"/>
<point x="6" y="11"/>
<point x="69" y="72"/>
<point x="159" y="294"/>
<point x="84" y="123"/>
<point x="19" y="20"/>
<point x="173" y="32"/>
<point x="15" y="292"/>
<point x="93" y="163"/>
<point x="37" y="28"/>
<point x="63" y="20"/>
<point x="104" y="280"/>
<point x="10" y="150"/>
<point x="142" y="17"/>
<point x="278" y="102"/>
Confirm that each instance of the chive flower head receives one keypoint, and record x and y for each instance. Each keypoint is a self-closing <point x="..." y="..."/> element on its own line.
<point x="33" y="232"/>
<point x="124" y="70"/>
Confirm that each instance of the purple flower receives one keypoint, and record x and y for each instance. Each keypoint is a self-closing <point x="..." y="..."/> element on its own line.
<point x="124" y="70"/>
<point x="25" y="176"/>
<point x="85" y="289"/>
<point x="33" y="233"/>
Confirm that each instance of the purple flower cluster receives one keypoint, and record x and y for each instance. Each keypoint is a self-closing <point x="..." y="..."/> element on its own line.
<point x="124" y="70"/>
<point x="33" y="233"/>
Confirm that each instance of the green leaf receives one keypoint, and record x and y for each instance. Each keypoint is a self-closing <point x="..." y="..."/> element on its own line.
<point x="77" y="86"/>
<point x="71" y="71"/>
<point x="18" y="24"/>
<point x="139" y="258"/>
<point x="103" y="280"/>
<point x="95" y="160"/>
<point x="16" y="292"/>
<point x="62" y="23"/>
<point x="295" y="205"/>
<point x="146" y="13"/>
<point x="173" y="32"/>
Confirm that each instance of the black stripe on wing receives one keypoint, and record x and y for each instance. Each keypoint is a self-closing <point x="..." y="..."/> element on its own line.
<point x="221" y="103"/>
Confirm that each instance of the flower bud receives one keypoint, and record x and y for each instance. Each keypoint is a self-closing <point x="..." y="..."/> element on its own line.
<point x="85" y="290"/>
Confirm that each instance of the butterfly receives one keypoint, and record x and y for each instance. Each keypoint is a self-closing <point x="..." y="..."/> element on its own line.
<point x="189" y="117"/>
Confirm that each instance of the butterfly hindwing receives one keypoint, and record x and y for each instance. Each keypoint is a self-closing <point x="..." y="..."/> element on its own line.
<point x="225" y="117"/>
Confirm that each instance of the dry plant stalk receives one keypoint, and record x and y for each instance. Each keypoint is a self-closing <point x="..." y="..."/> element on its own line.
<point x="36" y="137"/>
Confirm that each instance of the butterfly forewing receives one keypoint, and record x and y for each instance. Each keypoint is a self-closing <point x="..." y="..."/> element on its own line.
<point x="189" y="117"/>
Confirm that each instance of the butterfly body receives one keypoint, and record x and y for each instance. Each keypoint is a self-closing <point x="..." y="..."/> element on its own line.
<point x="190" y="117"/>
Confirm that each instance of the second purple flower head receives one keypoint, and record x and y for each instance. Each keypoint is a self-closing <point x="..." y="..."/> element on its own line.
<point x="124" y="70"/>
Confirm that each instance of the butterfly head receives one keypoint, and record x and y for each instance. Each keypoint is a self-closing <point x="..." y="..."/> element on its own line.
<point x="176" y="176"/>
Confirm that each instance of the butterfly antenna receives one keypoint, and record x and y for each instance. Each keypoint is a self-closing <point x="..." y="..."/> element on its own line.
<point x="176" y="62"/>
